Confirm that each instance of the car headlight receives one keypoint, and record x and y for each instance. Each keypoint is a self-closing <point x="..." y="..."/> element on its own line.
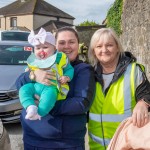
<point x="13" y="94"/>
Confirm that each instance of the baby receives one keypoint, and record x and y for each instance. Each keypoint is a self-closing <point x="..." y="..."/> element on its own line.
<point x="45" y="57"/>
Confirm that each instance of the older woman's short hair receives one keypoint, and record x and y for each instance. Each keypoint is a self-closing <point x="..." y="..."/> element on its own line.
<point x="107" y="32"/>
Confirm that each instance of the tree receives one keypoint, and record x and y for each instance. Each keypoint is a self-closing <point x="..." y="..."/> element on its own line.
<point x="88" y="23"/>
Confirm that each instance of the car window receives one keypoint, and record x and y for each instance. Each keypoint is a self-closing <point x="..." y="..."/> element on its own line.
<point x="15" y="36"/>
<point x="14" y="54"/>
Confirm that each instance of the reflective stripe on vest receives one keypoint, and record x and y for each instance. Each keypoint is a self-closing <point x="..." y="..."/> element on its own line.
<point x="102" y="115"/>
<point x="63" y="88"/>
<point x="99" y="140"/>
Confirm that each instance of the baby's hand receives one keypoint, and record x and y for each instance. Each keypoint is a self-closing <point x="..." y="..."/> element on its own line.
<point x="64" y="79"/>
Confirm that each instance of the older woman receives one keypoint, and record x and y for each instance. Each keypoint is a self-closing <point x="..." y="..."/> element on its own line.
<point x="122" y="88"/>
<point x="64" y="127"/>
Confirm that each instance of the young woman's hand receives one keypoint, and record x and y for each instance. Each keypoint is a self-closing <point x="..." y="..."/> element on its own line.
<point x="140" y="115"/>
<point x="44" y="77"/>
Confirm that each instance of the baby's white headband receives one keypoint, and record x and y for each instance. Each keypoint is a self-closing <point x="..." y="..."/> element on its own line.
<point x="41" y="37"/>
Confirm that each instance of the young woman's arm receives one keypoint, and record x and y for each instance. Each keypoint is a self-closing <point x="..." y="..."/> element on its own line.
<point x="81" y="94"/>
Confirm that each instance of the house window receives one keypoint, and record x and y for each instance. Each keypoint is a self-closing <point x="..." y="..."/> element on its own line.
<point x="13" y="22"/>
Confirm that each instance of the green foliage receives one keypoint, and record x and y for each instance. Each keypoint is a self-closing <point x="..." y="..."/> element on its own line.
<point x="82" y="52"/>
<point x="114" y="16"/>
<point x="88" y="23"/>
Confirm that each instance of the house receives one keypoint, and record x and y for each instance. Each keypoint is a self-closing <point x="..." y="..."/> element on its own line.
<point x="32" y="14"/>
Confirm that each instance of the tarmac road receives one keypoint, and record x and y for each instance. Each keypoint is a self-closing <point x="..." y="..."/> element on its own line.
<point x="15" y="135"/>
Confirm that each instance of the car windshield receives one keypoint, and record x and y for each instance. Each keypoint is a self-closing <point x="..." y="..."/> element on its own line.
<point x="15" y="36"/>
<point x="14" y="54"/>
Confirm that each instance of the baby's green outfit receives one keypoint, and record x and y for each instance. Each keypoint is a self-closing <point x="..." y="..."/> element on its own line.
<point x="48" y="94"/>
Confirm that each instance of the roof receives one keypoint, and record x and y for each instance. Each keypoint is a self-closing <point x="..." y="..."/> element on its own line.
<point x="19" y="28"/>
<point x="53" y="25"/>
<point x="40" y="7"/>
<point x="60" y="24"/>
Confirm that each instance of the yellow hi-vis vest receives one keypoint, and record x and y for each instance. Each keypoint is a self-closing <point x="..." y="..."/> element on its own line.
<point x="58" y="68"/>
<point x="107" y="111"/>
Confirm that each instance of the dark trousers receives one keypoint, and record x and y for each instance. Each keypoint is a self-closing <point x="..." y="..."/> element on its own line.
<point x="29" y="147"/>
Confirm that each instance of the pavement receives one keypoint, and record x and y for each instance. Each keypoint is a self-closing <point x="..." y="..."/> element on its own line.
<point x="15" y="135"/>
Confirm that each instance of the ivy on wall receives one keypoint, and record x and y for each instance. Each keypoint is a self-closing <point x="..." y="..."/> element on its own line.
<point x="114" y="16"/>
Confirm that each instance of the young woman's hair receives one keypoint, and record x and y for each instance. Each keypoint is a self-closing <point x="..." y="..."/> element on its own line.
<point x="106" y="33"/>
<point x="67" y="28"/>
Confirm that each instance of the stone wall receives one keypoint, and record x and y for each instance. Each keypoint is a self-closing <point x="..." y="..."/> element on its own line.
<point x="85" y="33"/>
<point x="136" y="30"/>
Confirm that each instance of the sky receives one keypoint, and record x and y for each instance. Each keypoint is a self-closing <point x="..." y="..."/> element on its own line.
<point x="81" y="10"/>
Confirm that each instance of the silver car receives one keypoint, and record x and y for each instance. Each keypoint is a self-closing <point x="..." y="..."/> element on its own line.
<point x="13" y="56"/>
